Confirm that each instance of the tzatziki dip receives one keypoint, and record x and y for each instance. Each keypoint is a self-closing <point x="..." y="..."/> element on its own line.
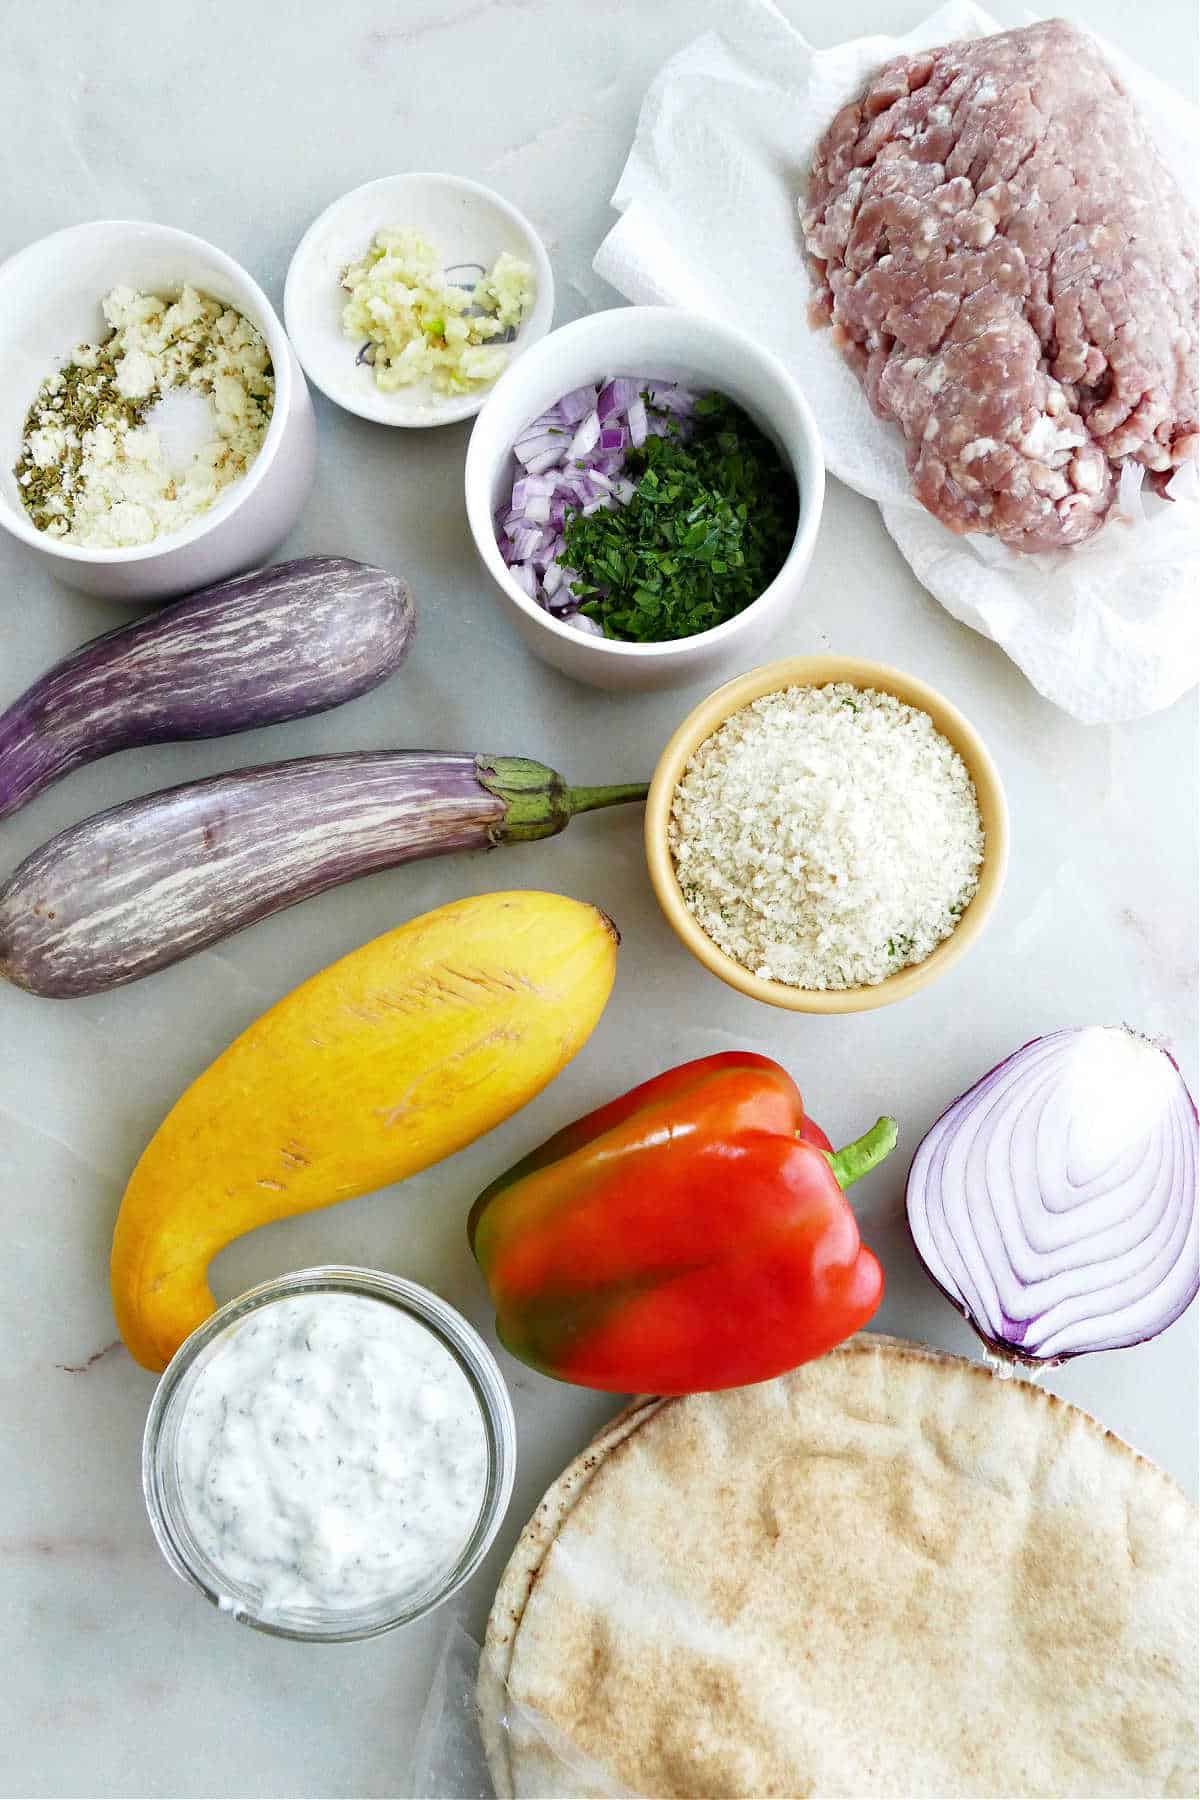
<point x="331" y="1454"/>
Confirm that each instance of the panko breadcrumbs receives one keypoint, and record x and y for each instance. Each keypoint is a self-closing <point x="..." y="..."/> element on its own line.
<point x="826" y="837"/>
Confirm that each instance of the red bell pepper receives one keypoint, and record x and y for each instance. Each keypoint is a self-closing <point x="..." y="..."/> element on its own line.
<point x="692" y="1234"/>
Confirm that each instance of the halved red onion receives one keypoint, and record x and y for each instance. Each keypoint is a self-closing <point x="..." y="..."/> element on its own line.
<point x="1055" y="1203"/>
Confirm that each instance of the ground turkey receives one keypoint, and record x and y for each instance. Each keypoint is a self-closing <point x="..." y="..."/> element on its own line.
<point x="1012" y="271"/>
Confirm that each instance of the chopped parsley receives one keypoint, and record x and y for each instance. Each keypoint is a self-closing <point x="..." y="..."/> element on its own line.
<point x="708" y="528"/>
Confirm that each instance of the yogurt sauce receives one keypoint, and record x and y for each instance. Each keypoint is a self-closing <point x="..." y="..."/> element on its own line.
<point x="331" y="1453"/>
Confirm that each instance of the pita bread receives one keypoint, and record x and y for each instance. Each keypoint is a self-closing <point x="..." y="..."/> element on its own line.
<point x="888" y="1573"/>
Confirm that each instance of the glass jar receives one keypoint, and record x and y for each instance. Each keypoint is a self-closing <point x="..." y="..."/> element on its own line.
<point x="163" y="1487"/>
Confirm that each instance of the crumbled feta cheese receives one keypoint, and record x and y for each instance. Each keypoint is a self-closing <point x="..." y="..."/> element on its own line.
<point x="826" y="837"/>
<point x="136" y="375"/>
<point x="46" y="445"/>
<point x="113" y="485"/>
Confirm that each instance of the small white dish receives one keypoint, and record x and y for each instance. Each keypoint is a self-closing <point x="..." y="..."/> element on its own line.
<point x="468" y="224"/>
<point x="50" y="295"/>
<point x="652" y="341"/>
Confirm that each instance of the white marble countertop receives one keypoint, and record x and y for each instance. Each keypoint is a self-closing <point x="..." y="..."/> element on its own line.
<point x="241" y="122"/>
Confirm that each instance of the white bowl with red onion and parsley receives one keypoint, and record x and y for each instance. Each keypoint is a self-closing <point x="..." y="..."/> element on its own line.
<point x="645" y="489"/>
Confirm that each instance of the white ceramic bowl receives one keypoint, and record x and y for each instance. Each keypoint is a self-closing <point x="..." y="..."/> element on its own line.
<point x="467" y="223"/>
<point x="50" y="295"/>
<point x="645" y="340"/>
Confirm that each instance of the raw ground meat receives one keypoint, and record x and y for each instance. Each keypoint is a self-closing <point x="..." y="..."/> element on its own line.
<point x="1011" y="270"/>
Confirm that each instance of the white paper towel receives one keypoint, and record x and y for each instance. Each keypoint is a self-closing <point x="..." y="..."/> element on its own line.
<point x="709" y="221"/>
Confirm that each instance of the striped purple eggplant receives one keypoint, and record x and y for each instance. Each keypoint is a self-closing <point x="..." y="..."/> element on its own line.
<point x="150" y="882"/>
<point x="277" y="644"/>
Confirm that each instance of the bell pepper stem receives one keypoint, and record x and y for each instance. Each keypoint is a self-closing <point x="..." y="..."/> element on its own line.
<point x="855" y="1160"/>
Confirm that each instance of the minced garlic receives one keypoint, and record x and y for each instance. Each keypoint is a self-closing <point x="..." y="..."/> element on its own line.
<point x="93" y="469"/>
<point x="417" y="326"/>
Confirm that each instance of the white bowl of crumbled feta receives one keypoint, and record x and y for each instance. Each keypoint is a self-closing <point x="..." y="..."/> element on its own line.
<point x="156" y="432"/>
<point x="827" y="835"/>
<point x="409" y="296"/>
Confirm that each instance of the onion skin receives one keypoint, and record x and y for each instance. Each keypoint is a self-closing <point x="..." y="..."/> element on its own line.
<point x="1055" y="1202"/>
<point x="146" y="884"/>
<point x="279" y="643"/>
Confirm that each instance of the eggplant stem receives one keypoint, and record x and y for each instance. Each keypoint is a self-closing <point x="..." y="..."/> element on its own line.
<point x="537" y="801"/>
<point x="587" y="799"/>
<point x="855" y="1160"/>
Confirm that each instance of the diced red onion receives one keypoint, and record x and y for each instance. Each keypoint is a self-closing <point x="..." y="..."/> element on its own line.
<point x="576" y="405"/>
<point x="580" y="622"/>
<point x="616" y="396"/>
<point x="572" y="460"/>
<point x="526" y="540"/>
<point x="670" y="396"/>
<point x="1055" y="1203"/>
<point x="533" y="441"/>
<point x="586" y="438"/>
<point x="545" y="460"/>
<point x="531" y="487"/>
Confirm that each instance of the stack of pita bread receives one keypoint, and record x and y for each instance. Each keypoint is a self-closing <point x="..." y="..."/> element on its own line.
<point x="888" y="1573"/>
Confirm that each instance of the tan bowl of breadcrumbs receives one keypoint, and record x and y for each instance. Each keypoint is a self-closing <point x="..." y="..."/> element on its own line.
<point x="823" y="672"/>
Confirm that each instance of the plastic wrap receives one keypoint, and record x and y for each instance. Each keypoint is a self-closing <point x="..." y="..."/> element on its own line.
<point x="449" y="1762"/>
